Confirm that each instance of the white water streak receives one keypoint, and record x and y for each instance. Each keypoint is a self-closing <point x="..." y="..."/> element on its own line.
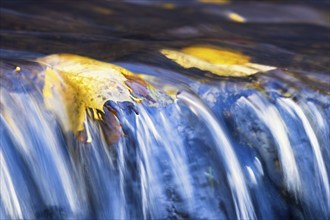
<point x="122" y="169"/>
<point x="253" y="178"/>
<point x="177" y="156"/>
<point x="288" y="103"/>
<point x="272" y="118"/>
<point x="146" y="174"/>
<point x="316" y="113"/>
<point x="243" y="204"/>
<point x="146" y="129"/>
<point x="38" y="121"/>
<point x="7" y="191"/>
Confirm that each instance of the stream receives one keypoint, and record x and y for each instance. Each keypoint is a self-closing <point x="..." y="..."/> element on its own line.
<point x="194" y="141"/>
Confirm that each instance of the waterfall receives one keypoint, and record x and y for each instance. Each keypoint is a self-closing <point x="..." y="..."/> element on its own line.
<point x="36" y="141"/>
<point x="272" y="118"/>
<point x="9" y="197"/>
<point x="296" y="112"/>
<point x="154" y="109"/>
<point x="150" y="139"/>
<point x="240" y="193"/>
<point x="257" y="157"/>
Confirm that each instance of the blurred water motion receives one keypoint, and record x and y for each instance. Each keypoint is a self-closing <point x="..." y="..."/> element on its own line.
<point x="226" y="113"/>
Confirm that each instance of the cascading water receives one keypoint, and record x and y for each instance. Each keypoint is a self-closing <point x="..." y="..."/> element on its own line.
<point x="323" y="181"/>
<point x="241" y="197"/>
<point x="271" y="117"/>
<point x="211" y="112"/>
<point x="179" y="160"/>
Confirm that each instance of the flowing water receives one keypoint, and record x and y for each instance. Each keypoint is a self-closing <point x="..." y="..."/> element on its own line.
<point x="220" y="147"/>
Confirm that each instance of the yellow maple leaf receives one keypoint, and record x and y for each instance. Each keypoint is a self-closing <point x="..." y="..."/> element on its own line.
<point x="219" y="61"/>
<point x="214" y="1"/>
<point x="79" y="83"/>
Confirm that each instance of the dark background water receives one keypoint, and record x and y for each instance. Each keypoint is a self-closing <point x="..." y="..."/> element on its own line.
<point x="108" y="30"/>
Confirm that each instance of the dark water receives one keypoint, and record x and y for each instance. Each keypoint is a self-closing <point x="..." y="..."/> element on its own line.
<point x="223" y="148"/>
